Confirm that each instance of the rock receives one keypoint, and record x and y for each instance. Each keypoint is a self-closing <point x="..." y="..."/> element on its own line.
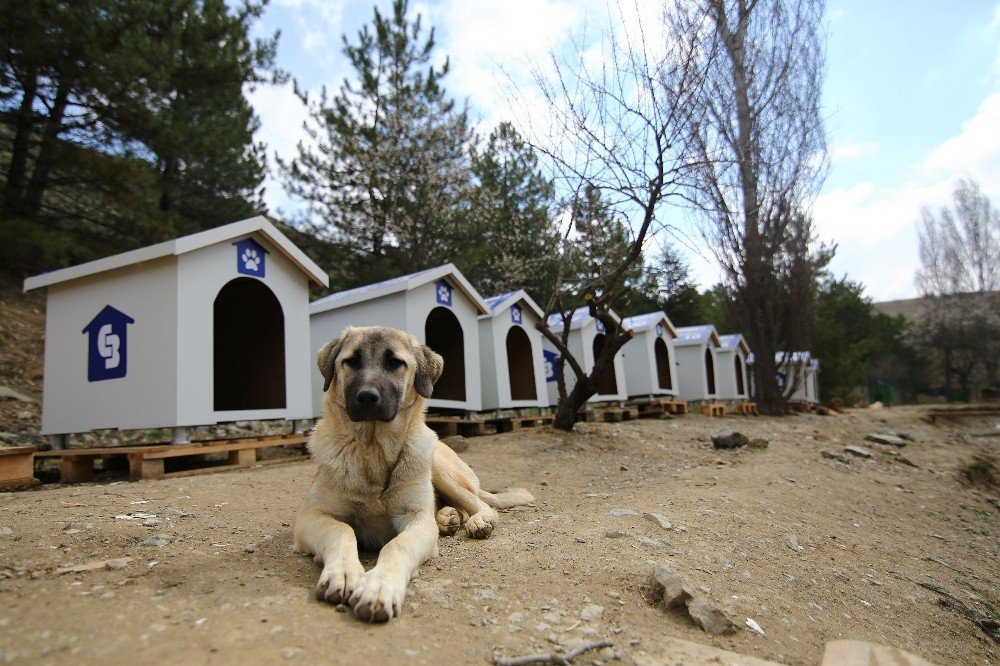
<point x="758" y="443"/>
<point x="708" y="617"/>
<point x="457" y="443"/>
<point x="157" y="540"/>
<point x="858" y="451"/>
<point x="793" y="543"/>
<point x="249" y="549"/>
<point x="835" y="456"/>
<point x="653" y="543"/>
<point x="883" y="438"/>
<point x="907" y="461"/>
<point x="669" y="586"/>
<point x="591" y="613"/>
<point x="7" y="393"/>
<point x="618" y="513"/>
<point x="659" y="519"/>
<point x="754" y="626"/>
<point x="732" y="440"/>
<point x="6" y="532"/>
<point x="615" y="534"/>
<point x="8" y="437"/>
<point x="584" y="428"/>
<point x="863" y="653"/>
<point x="904" y="436"/>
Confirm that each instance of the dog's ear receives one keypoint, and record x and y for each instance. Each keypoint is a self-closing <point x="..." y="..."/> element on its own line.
<point x="430" y="365"/>
<point x="326" y="359"/>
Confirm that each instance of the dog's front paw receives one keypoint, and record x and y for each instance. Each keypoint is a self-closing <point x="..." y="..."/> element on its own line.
<point x="480" y="525"/>
<point x="377" y="597"/>
<point x="448" y="520"/>
<point x="338" y="581"/>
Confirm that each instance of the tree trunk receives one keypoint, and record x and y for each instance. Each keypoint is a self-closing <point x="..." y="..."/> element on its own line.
<point x="24" y="127"/>
<point x="46" y="152"/>
<point x="577" y="398"/>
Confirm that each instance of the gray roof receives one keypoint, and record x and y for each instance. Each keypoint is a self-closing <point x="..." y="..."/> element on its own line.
<point x="402" y="283"/>
<point x="579" y="318"/>
<point x="501" y="302"/>
<point x="697" y="335"/>
<point x="644" y="322"/>
<point x="733" y="340"/>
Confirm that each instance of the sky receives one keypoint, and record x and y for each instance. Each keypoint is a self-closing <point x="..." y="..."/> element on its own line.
<point x="911" y="103"/>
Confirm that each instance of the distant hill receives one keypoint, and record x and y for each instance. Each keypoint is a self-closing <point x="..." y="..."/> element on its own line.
<point x="908" y="307"/>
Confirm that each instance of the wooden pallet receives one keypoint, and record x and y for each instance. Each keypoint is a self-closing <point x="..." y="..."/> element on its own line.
<point x="513" y="423"/>
<point x="608" y="414"/>
<point x="712" y="409"/>
<point x="935" y="414"/>
<point x="448" y="426"/>
<point x="677" y="407"/>
<point x="150" y="462"/>
<point x="17" y="468"/>
<point x="747" y="408"/>
<point x="657" y="406"/>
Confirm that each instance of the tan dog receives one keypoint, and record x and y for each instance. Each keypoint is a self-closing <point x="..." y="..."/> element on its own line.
<point x="379" y="468"/>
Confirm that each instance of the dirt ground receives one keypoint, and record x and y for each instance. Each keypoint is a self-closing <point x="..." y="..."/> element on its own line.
<point x="225" y="586"/>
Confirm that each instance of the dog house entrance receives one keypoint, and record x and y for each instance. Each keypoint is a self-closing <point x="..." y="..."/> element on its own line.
<point x="662" y="364"/>
<point x="607" y="382"/>
<point x="248" y="347"/>
<point x="739" y="375"/>
<point x="710" y="371"/>
<point x="443" y="334"/>
<point x="520" y="365"/>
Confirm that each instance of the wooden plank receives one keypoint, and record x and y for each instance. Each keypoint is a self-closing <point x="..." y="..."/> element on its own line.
<point x="76" y="469"/>
<point x="17" y="464"/>
<point x="243" y="457"/>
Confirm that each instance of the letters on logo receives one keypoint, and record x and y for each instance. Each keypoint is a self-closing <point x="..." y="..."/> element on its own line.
<point x="107" y="344"/>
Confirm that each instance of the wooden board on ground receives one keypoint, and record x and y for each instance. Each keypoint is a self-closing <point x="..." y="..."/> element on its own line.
<point x="747" y="408"/>
<point x="959" y="413"/>
<point x="17" y="468"/>
<point x="712" y="409"/>
<point x="150" y="462"/>
<point x="657" y="406"/>
<point x="608" y="414"/>
<point x="513" y="423"/>
<point x="448" y="426"/>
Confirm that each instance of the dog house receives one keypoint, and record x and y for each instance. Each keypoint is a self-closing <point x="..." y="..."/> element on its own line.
<point x="649" y="358"/>
<point x="586" y="340"/>
<point x="199" y="330"/>
<point x="732" y="375"/>
<point x="510" y="359"/>
<point x="696" y="348"/>
<point x="438" y="306"/>
<point x="800" y="370"/>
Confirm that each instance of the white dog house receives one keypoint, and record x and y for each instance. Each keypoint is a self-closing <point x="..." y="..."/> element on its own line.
<point x="649" y="358"/>
<point x="586" y="340"/>
<point x="199" y="330"/>
<point x="800" y="369"/>
<point x="696" y="348"/>
<point x="733" y="379"/>
<point x="438" y="306"/>
<point x="510" y="359"/>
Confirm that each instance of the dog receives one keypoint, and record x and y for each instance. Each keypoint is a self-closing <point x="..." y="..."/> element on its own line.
<point x="381" y="472"/>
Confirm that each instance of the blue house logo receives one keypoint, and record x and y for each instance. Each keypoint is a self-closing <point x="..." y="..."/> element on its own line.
<point x="550" y="364"/>
<point x="442" y="292"/>
<point x="107" y="344"/>
<point x="515" y="314"/>
<point x="250" y="256"/>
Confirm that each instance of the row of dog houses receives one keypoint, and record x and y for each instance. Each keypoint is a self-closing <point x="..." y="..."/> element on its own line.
<point x="217" y="326"/>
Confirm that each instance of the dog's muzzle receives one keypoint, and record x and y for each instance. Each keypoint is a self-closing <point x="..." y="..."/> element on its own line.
<point x="367" y="403"/>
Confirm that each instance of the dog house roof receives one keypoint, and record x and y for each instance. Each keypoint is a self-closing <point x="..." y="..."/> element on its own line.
<point x="697" y="335"/>
<point x="579" y="317"/>
<point x="644" y="322"/>
<point x="394" y="285"/>
<point x="501" y="302"/>
<point x="799" y="357"/>
<point x="258" y="225"/>
<point x="733" y="341"/>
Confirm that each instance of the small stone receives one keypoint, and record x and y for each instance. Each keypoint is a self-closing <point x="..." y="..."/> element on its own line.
<point x="618" y="513"/>
<point x="754" y="626"/>
<point x="151" y="522"/>
<point x="659" y="519"/>
<point x="858" y="451"/>
<point x="758" y="443"/>
<point x="584" y="428"/>
<point x="543" y="483"/>
<point x="249" y="548"/>
<point x="457" y="443"/>
<point x="653" y="543"/>
<point x="793" y="543"/>
<point x="708" y="617"/>
<point x="887" y="439"/>
<point x="732" y="440"/>
<point x="591" y="613"/>
<point x="7" y="393"/>
<point x="907" y="461"/>
<point x="157" y="540"/>
<point x="8" y="437"/>
<point x="541" y="627"/>
<point x="669" y="586"/>
<point x="615" y="534"/>
<point x="835" y="456"/>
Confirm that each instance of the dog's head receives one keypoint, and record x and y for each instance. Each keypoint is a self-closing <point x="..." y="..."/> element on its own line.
<point x="370" y="371"/>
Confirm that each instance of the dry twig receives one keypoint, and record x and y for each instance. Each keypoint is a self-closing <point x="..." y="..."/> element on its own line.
<point x="551" y="658"/>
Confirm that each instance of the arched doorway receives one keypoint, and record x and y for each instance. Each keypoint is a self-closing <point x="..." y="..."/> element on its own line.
<point x="248" y="347"/>
<point x="607" y="382"/>
<point x="710" y="371"/>
<point x="662" y="355"/>
<point x="738" y="363"/>
<point x="520" y="365"/>
<point x="443" y="334"/>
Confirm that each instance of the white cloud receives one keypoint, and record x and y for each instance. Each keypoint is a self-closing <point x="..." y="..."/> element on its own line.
<point x="844" y="152"/>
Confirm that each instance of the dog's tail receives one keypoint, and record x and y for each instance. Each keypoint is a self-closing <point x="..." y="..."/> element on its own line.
<point x="504" y="499"/>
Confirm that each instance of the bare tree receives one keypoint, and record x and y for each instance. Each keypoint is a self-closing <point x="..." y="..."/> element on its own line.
<point x="760" y="153"/>
<point x="959" y="277"/>
<point x="617" y="129"/>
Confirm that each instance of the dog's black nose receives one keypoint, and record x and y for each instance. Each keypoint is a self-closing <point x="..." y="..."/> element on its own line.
<point x="367" y="397"/>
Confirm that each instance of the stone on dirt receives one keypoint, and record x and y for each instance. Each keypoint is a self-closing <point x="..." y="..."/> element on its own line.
<point x="618" y="513"/>
<point x="591" y="613"/>
<point x="887" y="439"/>
<point x="157" y="540"/>
<point x="709" y="617"/>
<point x="457" y="443"/>
<point x="584" y="428"/>
<point x="758" y="443"/>
<point x="732" y="440"/>
<point x="7" y="393"/>
<point x="858" y="451"/>
<point x="659" y="519"/>
<point x="675" y="591"/>
<point x="835" y="456"/>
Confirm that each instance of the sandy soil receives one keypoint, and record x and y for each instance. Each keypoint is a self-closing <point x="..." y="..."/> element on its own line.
<point x="226" y="586"/>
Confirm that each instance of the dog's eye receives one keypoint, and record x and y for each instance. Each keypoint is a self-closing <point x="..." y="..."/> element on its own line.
<point x="354" y="363"/>
<point x="393" y="363"/>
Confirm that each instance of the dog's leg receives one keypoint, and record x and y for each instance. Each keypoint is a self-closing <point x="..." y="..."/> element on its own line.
<point x="334" y="544"/>
<point x="456" y="481"/>
<point x="448" y="520"/>
<point x="378" y="595"/>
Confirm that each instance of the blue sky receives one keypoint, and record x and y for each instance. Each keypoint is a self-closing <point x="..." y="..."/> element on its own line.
<point x="911" y="99"/>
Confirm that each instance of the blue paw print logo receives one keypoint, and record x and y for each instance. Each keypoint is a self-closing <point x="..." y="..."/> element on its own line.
<point x="250" y="257"/>
<point x="443" y="292"/>
<point x="659" y="330"/>
<point x="550" y="365"/>
<point x="515" y="314"/>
